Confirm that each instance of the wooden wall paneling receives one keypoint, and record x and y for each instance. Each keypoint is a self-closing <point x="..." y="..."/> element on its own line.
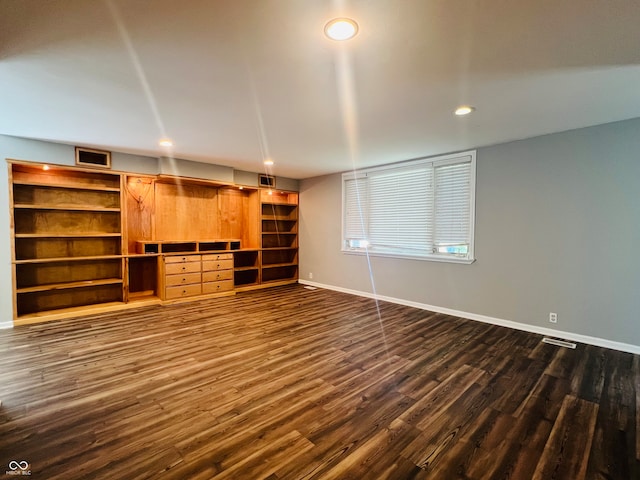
<point x="230" y="213"/>
<point x="139" y="207"/>
<point x="186" y="212"/>
<point x="251" y="216"/>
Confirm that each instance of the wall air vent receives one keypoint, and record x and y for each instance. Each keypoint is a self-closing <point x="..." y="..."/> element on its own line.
<point x="267" y="181"/>
<point x="559" y="343"/>
<point x="87" y="157"/>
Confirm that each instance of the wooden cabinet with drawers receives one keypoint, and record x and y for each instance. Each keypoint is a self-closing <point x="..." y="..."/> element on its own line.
<point x="217" y="273"/>
<point x="196" y="274"/>
<point x="182" y="276"/>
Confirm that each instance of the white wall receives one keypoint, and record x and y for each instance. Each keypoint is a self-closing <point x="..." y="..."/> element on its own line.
<point x="557" y="229"/>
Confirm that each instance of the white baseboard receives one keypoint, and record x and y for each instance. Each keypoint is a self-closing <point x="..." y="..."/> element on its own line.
<point x="575" y="337"/>
<point x="6" y="325"/>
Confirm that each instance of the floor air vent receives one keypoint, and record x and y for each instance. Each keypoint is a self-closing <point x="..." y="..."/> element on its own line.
<point x="559" y="343"/>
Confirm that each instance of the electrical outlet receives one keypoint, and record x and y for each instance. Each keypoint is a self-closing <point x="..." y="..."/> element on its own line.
<point x="310" y="276"/>
<point x="553" y="317"/>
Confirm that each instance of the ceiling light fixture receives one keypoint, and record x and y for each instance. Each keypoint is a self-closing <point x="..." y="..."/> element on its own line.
<point x="464" y="110"/>
<point x="268" y="162"/>
<point x="165" y="142"/>
<point x="340" y="29"/>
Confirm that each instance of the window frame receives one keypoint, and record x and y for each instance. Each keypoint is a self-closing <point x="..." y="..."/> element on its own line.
<point x="430" y="162"/>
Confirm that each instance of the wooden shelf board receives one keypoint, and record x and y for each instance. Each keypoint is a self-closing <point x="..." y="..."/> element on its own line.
<point x="276" y="265"/>
<point x="278" y="282"/>
<point x="69" y="285"/>
<point x="279" y="218"/>
<point x="287" y="204"/>
<point x="278" y="248"/>
<point x="81" y="311"/>
<point x="68" y="259"/>
<point x="245" y="269"/>
<point x="143" y="296"/>
<point x="97" y="188"/>
<point x="54" y="235"/>
<point x="66" y="208"/>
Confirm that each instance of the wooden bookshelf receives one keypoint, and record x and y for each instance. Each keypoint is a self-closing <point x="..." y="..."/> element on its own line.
<point x="86" y="239"/>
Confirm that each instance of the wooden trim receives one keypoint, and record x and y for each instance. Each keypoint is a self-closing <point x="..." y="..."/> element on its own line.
<point x="12" y="233"/>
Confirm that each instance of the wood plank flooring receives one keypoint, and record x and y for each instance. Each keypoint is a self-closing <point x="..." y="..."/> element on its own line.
<point x="289" y="383"/>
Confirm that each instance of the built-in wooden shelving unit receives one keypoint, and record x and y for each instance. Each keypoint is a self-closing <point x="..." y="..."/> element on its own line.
<point x="67" y="230"/>
<point x="279" y="236"/>
<point x="86" y="238"/>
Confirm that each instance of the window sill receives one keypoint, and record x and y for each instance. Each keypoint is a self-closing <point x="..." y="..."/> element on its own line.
<point x="430" y="258"/>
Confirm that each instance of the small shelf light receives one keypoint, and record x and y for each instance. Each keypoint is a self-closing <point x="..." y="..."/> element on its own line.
<point x="165" y="142"/>
<point x="464" y="110"/>
<point x="341" y="29"/>
<point x="268" y="162"/>
<point x="45" y="167"/>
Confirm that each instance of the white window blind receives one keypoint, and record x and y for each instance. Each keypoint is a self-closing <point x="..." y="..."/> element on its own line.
<point x="421" y="209"/>
<point x="356" y="210"/>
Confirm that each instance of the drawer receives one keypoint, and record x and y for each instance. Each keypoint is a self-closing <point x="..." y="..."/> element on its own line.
<point x="217" y="256"/>
<point x="218" y="275"/>
<point x="182" y="258"/>
<point x="179" y="268"/>
<point x="185" y="279"/>
<point x="217" y="264"/>
<point x="182" y="291"/>
<point x="213" y="287"/>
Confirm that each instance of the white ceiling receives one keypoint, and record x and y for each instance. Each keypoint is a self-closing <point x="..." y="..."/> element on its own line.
<point x="234" y="81"/>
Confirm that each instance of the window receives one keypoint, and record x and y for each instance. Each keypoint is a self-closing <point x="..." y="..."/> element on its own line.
<point x="422" y="209"/>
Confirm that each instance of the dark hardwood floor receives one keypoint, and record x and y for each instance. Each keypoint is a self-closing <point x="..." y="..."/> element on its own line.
<point x="288" y="383"/>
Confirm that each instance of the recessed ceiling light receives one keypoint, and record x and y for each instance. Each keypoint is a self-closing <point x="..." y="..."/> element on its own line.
<point x="341" y="29"/>
<point x="165" y="142"/>
<point x="45" y="167"/>
<point x="268" y="162"/>
<point x="464" y="110"/>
